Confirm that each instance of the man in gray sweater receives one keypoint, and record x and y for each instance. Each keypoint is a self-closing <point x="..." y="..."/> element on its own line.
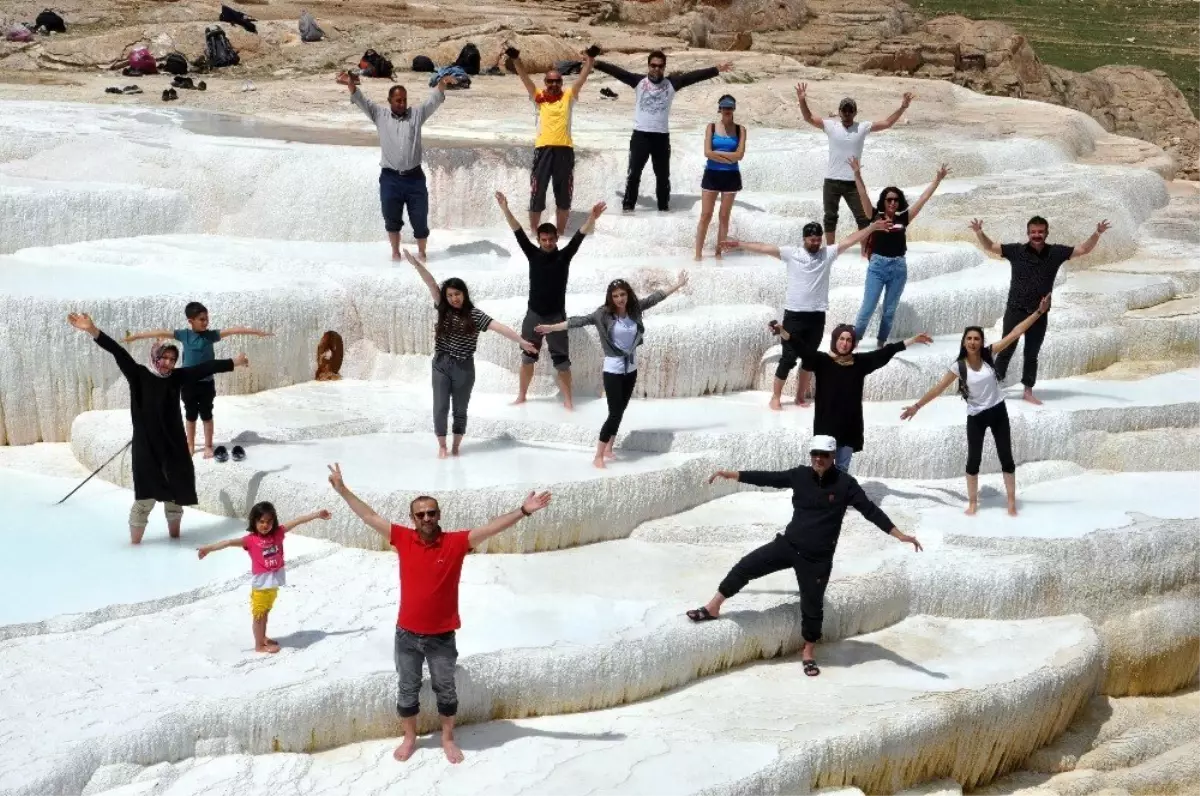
<point x="401" y="180"/>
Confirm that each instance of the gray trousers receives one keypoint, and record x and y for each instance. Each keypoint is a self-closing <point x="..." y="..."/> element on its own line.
<point x="412" y="651"/>
<point x="139" y="512"/>
<point x="453" y="380"/>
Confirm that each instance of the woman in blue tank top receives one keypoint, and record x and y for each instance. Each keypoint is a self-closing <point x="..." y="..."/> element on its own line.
<point x="724" y="146"/>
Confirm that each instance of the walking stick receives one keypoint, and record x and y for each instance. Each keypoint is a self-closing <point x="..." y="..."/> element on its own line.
<point x="98" y="469"/>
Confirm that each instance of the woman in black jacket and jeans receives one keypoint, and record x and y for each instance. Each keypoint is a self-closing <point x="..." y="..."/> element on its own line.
<point x="619" y="321"/>
<point x="840" y="375"/>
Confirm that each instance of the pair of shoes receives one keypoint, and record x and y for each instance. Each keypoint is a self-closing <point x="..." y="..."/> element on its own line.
<point x="170" y="94"/>
<point x="186" y="82"/>
<point x="131" y="90"/>
<point x="222" y="455"/>
<point x="113" y="90"/>
<point x="608" y="93"/>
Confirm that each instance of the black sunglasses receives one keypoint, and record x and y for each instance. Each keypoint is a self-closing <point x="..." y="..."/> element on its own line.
<point x="552" y="80"/>
<point x="420" y="515"/>
<point x="820" y="454"/>
<point x="658" y="66"/>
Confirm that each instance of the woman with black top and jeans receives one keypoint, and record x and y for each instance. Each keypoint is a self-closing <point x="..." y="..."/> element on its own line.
<point x="975" y="371"/>
<point x="456" y="335"/>
<point x="887" y="269"/>
<point x="619" y="321"/>
<point x="840" y="375"/>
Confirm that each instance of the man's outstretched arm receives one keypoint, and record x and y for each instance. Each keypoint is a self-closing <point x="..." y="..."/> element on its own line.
<point x="1089" y="244"/>
<point x="877" y="127"/>
<point x="533" y="504"/>
<point x="745" y="245"/>
<point x="361" y="509"/>
<point x="982" y="240"/>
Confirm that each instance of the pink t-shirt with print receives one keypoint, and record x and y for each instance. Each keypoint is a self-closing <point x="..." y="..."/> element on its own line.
<point x="266" y="556"/>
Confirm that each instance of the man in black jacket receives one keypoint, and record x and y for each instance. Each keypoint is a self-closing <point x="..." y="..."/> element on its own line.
<point x="820" y="496"/>
<point x="653" y="94"/>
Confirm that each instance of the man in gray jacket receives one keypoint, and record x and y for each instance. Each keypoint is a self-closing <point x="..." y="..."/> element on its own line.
<point x="401" y="180"/>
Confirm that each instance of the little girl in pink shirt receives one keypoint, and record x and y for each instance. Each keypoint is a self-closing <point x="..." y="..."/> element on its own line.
<point x="264" y="543"/>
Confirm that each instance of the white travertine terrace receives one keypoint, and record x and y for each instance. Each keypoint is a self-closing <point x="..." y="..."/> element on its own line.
<point x="941" y="671"/>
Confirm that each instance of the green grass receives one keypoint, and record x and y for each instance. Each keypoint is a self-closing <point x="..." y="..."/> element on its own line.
<point x="1080" y="35"/>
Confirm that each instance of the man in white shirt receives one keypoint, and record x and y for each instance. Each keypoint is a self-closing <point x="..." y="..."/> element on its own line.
<point x="807" y="296"/>
<point x="846" y="137"/>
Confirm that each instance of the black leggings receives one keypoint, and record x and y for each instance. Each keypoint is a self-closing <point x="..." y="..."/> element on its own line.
<point x="618" y="389"/>
<point x="812" y="576"/>
<point x="996" y="419"/>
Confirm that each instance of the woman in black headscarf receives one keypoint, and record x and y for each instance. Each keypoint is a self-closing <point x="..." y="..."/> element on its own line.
<point x="162" y="463"/>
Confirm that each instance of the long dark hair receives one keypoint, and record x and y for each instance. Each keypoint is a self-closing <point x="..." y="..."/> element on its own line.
<point x="901" y="206"/>
<point x="632" y="306"/>
<point x="450" y="319"/>
<point x="985" y="353"/>
<point x="259" y="511"/>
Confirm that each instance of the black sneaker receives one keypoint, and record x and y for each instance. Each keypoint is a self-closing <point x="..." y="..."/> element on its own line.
<point x="608" y="93"/>
<point x="113" y="90"/>
<point x="220" y="454"/>
<point x="182" y="82"/>
<point x="134" y="89"/>
<point x="166" y="95"/>
<point x="202" y="86"/>
<point x="239" y="453"/>
<point x="174" y="94"/>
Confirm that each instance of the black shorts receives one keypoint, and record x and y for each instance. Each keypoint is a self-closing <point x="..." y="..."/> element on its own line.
<point x="552" y="165"/>
<point x="806" y="330"/>
<point x="198" y="397"/>
<point x="560" y="349"/>
<point x="721" y="181"/>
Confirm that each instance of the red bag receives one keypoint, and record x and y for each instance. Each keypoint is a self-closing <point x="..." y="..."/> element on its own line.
<point x="141" y="60"/>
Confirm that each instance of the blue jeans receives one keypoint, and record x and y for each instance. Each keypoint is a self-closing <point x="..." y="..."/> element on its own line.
<point x="842" y="458"/>
<point x="398" y="191"/>
<point x="885" y="275"/>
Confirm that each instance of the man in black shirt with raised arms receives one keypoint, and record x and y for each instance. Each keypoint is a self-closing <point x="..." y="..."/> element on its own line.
<point x="820" y="496"/>
<point x="1035" y="266"/>
<point x="549" y="269"/>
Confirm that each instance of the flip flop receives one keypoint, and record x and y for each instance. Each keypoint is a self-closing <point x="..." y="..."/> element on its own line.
<point x="810" y="668"/>
<point x="113" y="90"/>
<point x="239" y="453"/>
<point x="700" y="614"/>
<point x="220" y="454"/>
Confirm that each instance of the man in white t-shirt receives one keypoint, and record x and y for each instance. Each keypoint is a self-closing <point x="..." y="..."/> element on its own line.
<point x="807" y="296"/>
<point x="846" y="137"/>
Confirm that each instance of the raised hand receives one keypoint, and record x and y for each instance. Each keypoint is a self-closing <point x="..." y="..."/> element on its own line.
<point x="335" y="477"/>
<point x="725" y="67"/>
<point x="1044" y="304"/>
<point x="912" y="540"/>
<point x="801" y="92"/>
<point x="82" y="321"/>
<point x="855" y="165"/>
<point x="909" y="412"/>
<point x="447" y="81"/>
<point x="535" y="503"/>
<point x="201" y="552"/>
<point x="683" y="279"/>
<point x="411" y="260"/>
<point x="922" y="339"/>
<point x="501" y="199"/>
<point x="976" y="226"/>
<point x="1103" y="227"/>
<point x="727" y="474"/>
<point x="241" y="361"/>
<point x="323" y="514"/>
<point x="907" y="99"/>
<point x="942" y="171"/>
<point x="598" y="209"/>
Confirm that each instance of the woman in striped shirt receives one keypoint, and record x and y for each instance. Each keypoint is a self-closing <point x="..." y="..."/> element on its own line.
<point x="456" y="335"/>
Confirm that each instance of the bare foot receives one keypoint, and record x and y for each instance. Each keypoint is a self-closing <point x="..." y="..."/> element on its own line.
<point x="610" y="455"/>
<point x="698" y="257"/>
<point x="800" y="401"/>
<point x="453" y="753"/>
<point x="208" y="453"/>
<point x="718" y="255"/>
<point x="405" y="749"/>
<point x="569" y="406"/>
<point x="396" y="255"/>
<point x="1012" y="509"/>
<point x="270" y="649"/>
<point x="971" y="509"/>
<point x="443" y="453"/>
<point x="271" y="641"/>
<point x="421" y="256"/>
<point x="520" y="400"/>
<point x="454" y="451"/>
<point x="1031" y="398"/>
<point x="173" y="531"/>
<point x="776" y="405"/>
<point x="599" y="463"/>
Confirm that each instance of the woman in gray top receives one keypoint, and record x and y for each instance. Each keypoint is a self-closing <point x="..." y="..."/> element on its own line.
<point x="619" y="322"/>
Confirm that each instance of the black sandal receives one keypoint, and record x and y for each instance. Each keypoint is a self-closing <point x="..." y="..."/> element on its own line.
<point x="238" y="453"/>
<point x="220" y="454"/>
<point x="700" y="614"/>
<point x="810" y="668"/>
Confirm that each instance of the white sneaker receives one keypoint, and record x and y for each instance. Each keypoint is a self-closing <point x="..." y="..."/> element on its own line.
<point x="248" y="86"/>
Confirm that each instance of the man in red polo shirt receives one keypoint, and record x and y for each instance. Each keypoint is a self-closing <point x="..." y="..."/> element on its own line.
<point x="430" y="567"/>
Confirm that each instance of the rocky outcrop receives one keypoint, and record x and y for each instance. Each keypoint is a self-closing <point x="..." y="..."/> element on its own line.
<point x="716" y="24"/>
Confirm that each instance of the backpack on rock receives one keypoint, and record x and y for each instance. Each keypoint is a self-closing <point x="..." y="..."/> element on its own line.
<point x="309" y="29"/>
<point x="174" y="63"/>
<point x="50" y="22"/>
<point x="375" y="65"/>
<point x="468" y="59"/>
<point x="218" y="51"/>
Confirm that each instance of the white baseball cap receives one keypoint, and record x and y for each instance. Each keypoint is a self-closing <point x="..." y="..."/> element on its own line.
<point x="823" y="443"/>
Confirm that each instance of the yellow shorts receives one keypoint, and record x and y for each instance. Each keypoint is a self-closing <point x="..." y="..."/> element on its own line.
<point x="261" y="601"/>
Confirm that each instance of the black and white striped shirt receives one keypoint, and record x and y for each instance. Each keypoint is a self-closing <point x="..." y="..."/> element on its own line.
<point x="457" y="341"/>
